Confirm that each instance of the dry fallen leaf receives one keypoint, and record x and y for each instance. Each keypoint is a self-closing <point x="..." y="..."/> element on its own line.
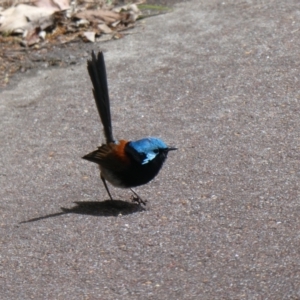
<point x="104" y="28"/>
<point x="24" y="17"/>
<point x="55" y="4"/>
<point x="89" y="36"/>
<point x="98" y="16"/>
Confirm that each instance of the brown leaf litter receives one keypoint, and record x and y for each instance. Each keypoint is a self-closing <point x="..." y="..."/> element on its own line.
<point x="41" y="24"/>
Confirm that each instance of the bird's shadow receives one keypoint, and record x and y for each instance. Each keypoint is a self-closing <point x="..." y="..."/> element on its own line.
<point x="105" y="208"/>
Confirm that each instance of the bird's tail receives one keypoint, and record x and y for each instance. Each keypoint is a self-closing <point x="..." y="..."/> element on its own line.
<point x="97" y="71"/>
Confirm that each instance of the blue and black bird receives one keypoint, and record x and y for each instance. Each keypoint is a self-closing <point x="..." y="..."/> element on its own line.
<point x="125" y="164"/>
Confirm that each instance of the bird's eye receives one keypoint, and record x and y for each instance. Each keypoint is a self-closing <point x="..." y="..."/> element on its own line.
<point x="156" y="151"/>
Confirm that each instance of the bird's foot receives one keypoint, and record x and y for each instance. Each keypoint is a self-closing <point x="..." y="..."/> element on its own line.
<point x="138" y="199"/>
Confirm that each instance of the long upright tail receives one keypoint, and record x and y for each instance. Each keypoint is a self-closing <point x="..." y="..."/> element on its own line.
<point x="97" y="71"/>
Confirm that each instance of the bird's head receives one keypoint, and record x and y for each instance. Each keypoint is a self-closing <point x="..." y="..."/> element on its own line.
<point x="148" y="149"/>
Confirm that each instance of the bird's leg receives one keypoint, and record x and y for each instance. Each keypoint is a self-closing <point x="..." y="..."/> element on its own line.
<point x="137" y="198"/>
<point x="106" y="187"/>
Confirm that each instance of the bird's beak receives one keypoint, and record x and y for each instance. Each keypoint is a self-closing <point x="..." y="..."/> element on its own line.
<point x="172" y="148"/>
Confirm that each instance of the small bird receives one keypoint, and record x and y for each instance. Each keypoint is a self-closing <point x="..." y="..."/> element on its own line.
<point x="124" y="164"/>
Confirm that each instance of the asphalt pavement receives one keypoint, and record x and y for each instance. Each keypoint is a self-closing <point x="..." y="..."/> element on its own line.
<point x="219" y="80"/>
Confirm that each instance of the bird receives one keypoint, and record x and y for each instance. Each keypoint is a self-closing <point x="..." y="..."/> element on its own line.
<point x="124" y="164"/>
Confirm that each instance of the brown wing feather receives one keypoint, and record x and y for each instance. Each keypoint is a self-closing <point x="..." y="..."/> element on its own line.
<point x="110" y="156"/>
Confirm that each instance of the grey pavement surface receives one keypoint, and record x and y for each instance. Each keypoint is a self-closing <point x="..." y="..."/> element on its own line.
<point x="218" y="79"/>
